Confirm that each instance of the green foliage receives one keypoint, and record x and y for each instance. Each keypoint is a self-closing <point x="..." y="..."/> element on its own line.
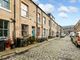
<point x="31" y="40"/>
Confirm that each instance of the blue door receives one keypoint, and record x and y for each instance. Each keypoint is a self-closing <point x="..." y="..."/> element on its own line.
<point x="33" y="32"/>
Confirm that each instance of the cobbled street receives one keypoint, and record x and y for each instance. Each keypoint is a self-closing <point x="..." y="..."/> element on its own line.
<point x="56" y="49"/>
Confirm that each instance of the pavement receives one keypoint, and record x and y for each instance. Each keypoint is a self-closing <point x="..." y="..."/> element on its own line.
<point x="12" y="52"/>
<point x="54" y="49"/>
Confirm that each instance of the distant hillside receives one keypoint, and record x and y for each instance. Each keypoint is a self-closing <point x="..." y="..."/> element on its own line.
<point x="68" y="27"/>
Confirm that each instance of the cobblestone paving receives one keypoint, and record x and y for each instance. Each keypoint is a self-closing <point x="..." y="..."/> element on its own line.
<point x="59" y="49"/>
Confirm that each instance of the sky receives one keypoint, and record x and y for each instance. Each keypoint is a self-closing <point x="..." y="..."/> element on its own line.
<point x="66" y="12"/>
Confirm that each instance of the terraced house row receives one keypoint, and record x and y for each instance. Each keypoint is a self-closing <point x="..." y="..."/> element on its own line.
<point x="19" y="18"/>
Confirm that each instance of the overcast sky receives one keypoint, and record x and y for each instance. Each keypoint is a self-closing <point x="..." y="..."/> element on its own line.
<point x="66" y="12"/>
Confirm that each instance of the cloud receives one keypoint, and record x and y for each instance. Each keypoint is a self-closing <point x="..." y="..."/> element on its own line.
<point x="73" y="9"/>
<point x="63" y="9"/>
<point x="68" y="9"/>
<point x="73" y="1"/>
<point x="63" y="15"/>
<point x="48" y="8"/>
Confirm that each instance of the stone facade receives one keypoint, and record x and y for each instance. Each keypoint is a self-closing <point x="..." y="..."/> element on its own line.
<point x="54" y="28"/>
<point x="77" y="27"/>
<point x="35" y="22"/>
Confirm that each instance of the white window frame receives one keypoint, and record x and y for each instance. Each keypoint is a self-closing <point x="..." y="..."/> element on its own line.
<point x="38" y="18"/>
<point x="25" y="30"/>
<point x="4" y="29"/>
<point x="3" y="6"/>
<point x="44" y="20"/>
<point x="24" y="10"/>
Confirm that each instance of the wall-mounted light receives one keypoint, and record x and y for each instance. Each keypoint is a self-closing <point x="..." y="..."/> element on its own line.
<point x="12" y="20"/>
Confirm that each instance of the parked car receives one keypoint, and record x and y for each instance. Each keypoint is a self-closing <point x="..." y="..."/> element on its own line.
<point x="76" y="39"/>
<point x="62" y="35"/>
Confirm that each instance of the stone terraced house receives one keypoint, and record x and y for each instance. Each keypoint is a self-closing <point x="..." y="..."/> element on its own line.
<point x="19" y="18"/>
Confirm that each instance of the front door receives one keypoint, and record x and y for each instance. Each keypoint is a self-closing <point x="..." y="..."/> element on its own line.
<point x="33" y="31"/>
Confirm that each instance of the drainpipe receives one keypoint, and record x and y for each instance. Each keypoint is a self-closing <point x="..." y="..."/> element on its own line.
<point x="36" y="24"/>
<point x="42" y="24"/>
<point x="14" y="32"/>
<point x="13" y="21"/>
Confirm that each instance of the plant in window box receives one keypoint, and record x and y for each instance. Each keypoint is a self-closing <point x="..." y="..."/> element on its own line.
<point x="8" y="43"/>
<point x="32" y="39"/>
<point x="26" y="39"/>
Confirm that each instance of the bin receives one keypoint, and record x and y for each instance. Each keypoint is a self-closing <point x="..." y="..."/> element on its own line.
<point x="2" y="45"/>
<point x="19" y="42"/>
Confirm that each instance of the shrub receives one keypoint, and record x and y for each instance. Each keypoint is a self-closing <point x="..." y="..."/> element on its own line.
<point x="41" y="39"/>
<point x="31" y="40"/>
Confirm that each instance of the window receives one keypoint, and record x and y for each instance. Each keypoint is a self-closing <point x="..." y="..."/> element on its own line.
<point x="5" y="4"/>
<point x="0" y="2"/>
<point x="38" y="18"/>
<point x="44" y="20"/>
<point x="49" y="23"/>
<point x="38" y="31"/>
<point x="44" y="32"/>
<point x="4" y="28"/>
<point x="24" y="30"/>
<point x="24" y="10"/>
<point x="33" y="31"/>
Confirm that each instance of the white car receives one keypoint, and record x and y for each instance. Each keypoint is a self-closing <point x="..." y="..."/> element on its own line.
<point x="63" y="35"/>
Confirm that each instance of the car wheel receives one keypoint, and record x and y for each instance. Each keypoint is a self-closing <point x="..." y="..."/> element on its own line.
<point x="77" y="44"/>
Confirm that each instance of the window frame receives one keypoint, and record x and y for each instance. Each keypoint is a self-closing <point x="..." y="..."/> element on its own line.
<point x="3" y="2"/>
<point x="38" y="31"/>
<point x="25" y="29"/>
<point x="44" y="32"/>
<point x="3" y="29"/>
<point x="38" y="17"/>
<point x="44" y="20"/>
<point x="49" y="23"/>
<point x="23" y="10"/>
